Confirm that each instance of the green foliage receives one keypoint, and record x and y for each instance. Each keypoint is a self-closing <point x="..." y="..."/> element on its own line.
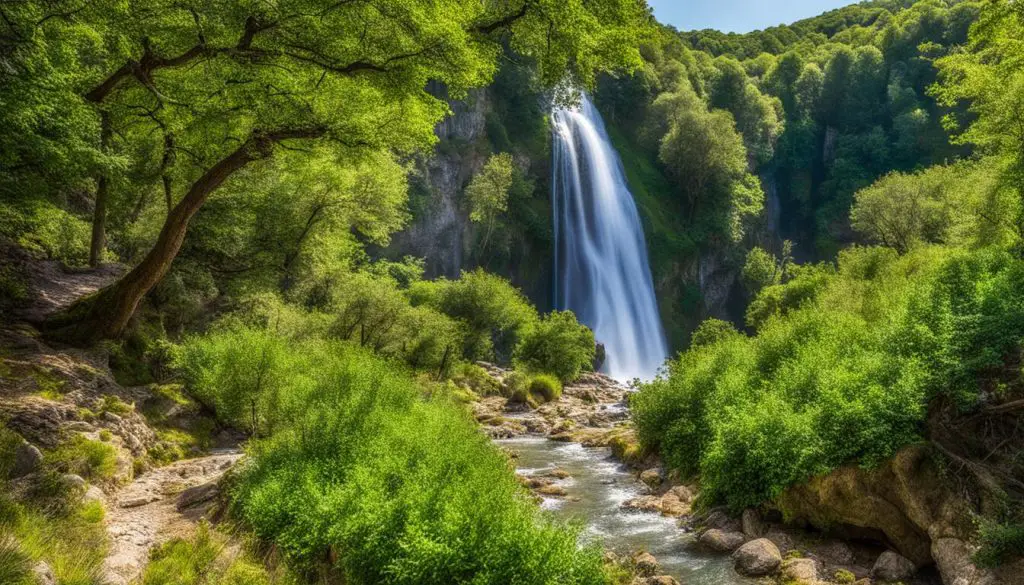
<point x="45" y="229"/>
<point x="488" y="192"/>
<point x="712" y="331"/>
<point x="547" y="387"/>
<point x="1000" y="543"/>
<point x="205" y="559"/>
<point x="73" y="542"/>
<point x="989" y="78"/>
<point x="93" y="460"/>
<point x="556" y="344"/>
<point x="760" y="270"/>
<point x="842" y="371"/>
<point x="9" y="441"/>
<point x="844" y="576"/>
<point x="402" y="488"/>
<point x="495" y="313"/>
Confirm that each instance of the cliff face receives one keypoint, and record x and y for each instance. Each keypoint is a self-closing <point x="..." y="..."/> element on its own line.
<point x="440" y="230"/>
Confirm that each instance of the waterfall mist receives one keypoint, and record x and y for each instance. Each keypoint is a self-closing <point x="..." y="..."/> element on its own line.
<point x="601" y="268"/>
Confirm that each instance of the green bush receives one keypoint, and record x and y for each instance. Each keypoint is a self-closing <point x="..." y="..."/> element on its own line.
<point x="1000" y="543"/>
<point x="93" y="460"/>
<point x="556" y="344"/>
<point x="403" y="489"/>
<point x="495" y="313"/>
<point x="843" y="376"/>
<point x="548" y="387"/>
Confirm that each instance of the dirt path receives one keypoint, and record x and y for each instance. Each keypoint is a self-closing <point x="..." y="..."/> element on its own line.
<point x="146" y="512"/>
<point x="55" y="287"/>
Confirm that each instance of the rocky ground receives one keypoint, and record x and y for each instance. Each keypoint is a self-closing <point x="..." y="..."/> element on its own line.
<point x="160" y="505"/>
<point x="51" y="394"/>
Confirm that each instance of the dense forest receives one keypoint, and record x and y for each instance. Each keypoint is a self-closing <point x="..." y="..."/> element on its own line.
<point x="313" y="231"/>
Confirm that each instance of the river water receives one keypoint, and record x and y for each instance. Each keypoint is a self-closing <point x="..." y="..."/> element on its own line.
<point x="597" y="487"/>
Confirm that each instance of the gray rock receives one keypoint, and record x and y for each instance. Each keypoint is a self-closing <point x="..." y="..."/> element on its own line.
<point x="659" y="580"/>
<point x="753" y="527"/>
<point x="27" y="459"/>
<point x="44" y="574"/>
<point x="801" y="571"/>
<point x="79" y="426"/>
<point x="757" y="558"/>
<point x="835" y="552"/>
<point x="139" y="501"/>
<point x="891" y="566"/>
<point x="718" y="518"/>
<point x="782" y="540"/>
<point x="93" y="494"/>
<point x="199" y="494"/>
<point x="721" y="541"/>
<point x="953" y="559"/>
<point x="72" y="481"/>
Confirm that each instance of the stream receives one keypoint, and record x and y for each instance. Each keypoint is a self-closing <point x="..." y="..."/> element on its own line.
<point x="597" y="486"/>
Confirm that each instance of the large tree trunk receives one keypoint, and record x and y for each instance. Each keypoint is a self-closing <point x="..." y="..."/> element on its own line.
<point x="99" y="214"/>
<point x="105" y="314"/>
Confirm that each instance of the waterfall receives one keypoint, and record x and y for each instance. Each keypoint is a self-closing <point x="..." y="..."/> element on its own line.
<point x="601" y="268"/>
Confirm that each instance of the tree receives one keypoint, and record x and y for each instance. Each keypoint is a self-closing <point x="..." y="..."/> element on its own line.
<point x="989" y="78"/>
<point x="488" y="192"/>
<point x="229" y="84"/>
<point x="901" y="210"/>
<point x="556" y="344"/>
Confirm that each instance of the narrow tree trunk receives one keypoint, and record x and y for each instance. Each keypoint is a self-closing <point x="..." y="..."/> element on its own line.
<point x="99" y="214"/>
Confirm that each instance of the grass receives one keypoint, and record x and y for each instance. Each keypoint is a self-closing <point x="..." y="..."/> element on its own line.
<point x="93" y="460"/>
<point x="205" y="559"/>
<point x="1000" y="543"/>
<point x="73" y="545"/>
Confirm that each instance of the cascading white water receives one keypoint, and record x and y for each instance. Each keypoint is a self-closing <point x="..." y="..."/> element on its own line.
<point x="601" y="268"/>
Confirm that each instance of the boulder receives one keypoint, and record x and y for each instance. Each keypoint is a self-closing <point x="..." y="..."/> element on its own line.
<point x="659" y="580"/>
<point x="753" y="527"/>
<point x="953" y="559"/>
<point x="835" y="552"/>
<point x="645" y="564"/>
<point x="197" y="495"/>
<point x="720" y="540"/>
<point x="652" y="478"/>
<point x="671" y="505"/>
<point x="93" y="494"/>
<point x="891" y="566"/>
<point x="643" y="504"/>
<point x="783" y="541"/>
<point x="27" y="459"/>
<point x="73" y="482"/>
<point x="757" y="558"/>
<point x="684" y="493"/>
<point x="800" y="571"/>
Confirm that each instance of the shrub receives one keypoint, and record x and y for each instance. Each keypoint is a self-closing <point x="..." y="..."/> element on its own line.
<point x="844" y="576"/>
<point x="1000" y="543"/>
<point x="556" y="344"/>
<point x="843" y="376"/>
<point x="548" y="387"/>
<point x="495" y="313"/>
<point x="93" y="460"/>
<point x="476" y="379"/>
<point x="205" y="559"/>
<point x="404" y="489"/>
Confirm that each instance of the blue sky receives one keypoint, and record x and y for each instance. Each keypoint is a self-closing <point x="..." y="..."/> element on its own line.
<point x="738" y="15"/>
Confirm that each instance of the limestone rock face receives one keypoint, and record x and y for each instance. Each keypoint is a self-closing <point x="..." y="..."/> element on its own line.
<point x="903" y="502"/>
<point x="652" y="478"/>
<point x="891" y="566"/>
<point x="721" y="541"/>
<point x="757" y="558"/>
